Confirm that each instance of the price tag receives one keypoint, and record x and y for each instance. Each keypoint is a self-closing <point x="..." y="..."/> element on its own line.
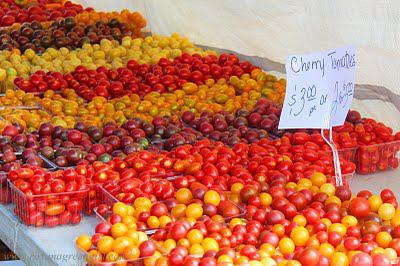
<point x="319" y="89"/>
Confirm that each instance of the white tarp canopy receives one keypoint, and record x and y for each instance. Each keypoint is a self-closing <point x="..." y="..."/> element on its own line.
<point x="274" y="29"/>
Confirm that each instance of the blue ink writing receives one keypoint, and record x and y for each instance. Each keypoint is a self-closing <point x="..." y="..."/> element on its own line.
<point x="311" y="92"/>
<point x="347" y="61"/>
<point x="342" y="95"/>
<point x="322" y="100"/>
<point x="304" y="66"/>
<point x="312" y="110"/>
<point x="299" y="101"/>
<point x="335" y="101"/>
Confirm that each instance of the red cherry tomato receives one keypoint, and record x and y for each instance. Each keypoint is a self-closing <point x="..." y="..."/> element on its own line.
<point x="75" y="205"/>
<point x="51" y="221"/>
<point x="57" y="186"/>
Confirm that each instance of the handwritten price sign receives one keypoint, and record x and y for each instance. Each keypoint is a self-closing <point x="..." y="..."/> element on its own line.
<point x="319" y="89"/>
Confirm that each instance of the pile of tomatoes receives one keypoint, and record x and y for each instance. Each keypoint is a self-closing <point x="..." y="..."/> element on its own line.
<point x="139" y="79"/>
<point x="177" y="151"/>
<point x="309" y="222"/>
<point x="11" y="12"/>
<point x="372" y="145"/>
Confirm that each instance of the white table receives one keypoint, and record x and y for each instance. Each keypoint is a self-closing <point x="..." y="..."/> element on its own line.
<point x="377" y="182"/>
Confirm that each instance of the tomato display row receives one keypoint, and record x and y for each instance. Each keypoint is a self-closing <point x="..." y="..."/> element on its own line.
<point x="154" y="216"/>
<point x="66" y="147"/>
<point x="20" y="11"/>
<point x="67" y="32"/>
<point x="140" y="174"/>
<point x="283" y="223"/>
<point x="166" y="75"/>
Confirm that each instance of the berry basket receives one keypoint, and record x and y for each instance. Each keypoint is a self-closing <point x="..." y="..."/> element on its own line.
<point x="347" y="179"/>
<point x="109" y="200"/>
<point x="105" y="197"/>
<point x="127" y="190"/>
<point x="105" y="218"/>
<point x="48" y="210"/>
<point x="348" y="154"/>
<point x="4" y="191"/>
<point x="47" y="164"/>
<point x="53" y="162"/>
<point x="4" y="187"/>
<point x="377" y="157"/>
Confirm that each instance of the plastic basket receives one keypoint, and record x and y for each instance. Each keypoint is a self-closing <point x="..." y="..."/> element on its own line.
<point x="348" y="154"/>
<point x="347" y="179"/>
<point x="4" y="189"/>
<point x="108" y="196"/>
<point x="105" y="197"/>
<point x="46" y="163"/>
<point x="109" y="199"/>
<point x="377" y="157"/>
<point x="7" y="110"/>
<point x="93" y="199"/>
<point x="104" y="218"/>
<point x="55" y="165"/>
<point x="65" y="167"/>
<point x="49" y="210"/>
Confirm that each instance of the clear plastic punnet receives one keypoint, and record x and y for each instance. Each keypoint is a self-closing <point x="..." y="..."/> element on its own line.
<point x="348" y="154"/>
<point x="49" y="210"/>
<point x="377" y="157"/>
<point x="5" y="190"/>
<point x="110" y="200"/>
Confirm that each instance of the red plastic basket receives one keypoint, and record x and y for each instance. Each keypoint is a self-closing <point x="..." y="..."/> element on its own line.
<point x="49" y="210"/>
<point x="377" y="157"/>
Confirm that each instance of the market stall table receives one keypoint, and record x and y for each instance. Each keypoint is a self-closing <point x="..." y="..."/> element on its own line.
<point x="377" y="182"/>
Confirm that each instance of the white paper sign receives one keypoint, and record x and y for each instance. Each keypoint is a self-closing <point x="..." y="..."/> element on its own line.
<point x="319" y="89"/>
<point x="341" y="81"/>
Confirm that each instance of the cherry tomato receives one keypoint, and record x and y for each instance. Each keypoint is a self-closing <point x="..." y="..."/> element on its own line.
<point x="54" y="209"/>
